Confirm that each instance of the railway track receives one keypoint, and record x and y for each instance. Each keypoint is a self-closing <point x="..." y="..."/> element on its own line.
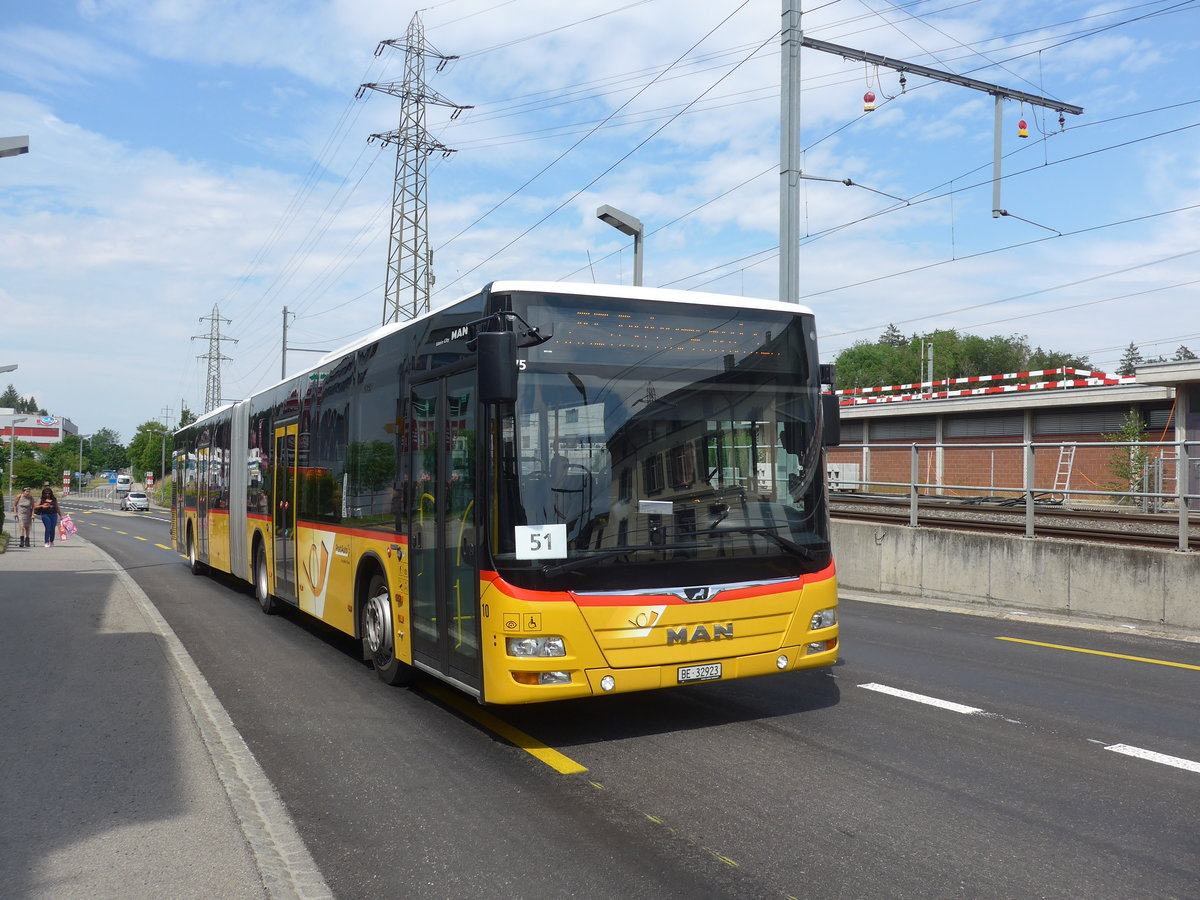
<point x="1130" y="528"/>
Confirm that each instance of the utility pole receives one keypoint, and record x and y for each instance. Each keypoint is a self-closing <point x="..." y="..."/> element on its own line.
<point x="789" y="198"/>
<point x="410" y="260"/>
<point x="789" y="155"/>
<point x="212" y="389"/>
<point x="286" y="348"/>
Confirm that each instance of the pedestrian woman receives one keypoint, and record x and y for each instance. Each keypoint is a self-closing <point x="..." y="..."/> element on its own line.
<point x="23" y="511"/>
<point x="47" y="508"/>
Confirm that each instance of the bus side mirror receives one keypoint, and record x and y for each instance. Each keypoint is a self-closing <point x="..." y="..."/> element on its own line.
<point x="497" y="359"/>
<point x="831" y="413"/>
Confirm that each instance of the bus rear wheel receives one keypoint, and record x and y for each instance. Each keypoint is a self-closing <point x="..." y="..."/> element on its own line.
<point x="262" y="586"/>
<point x="193" y="555"/>
<point x="379" y="634"/>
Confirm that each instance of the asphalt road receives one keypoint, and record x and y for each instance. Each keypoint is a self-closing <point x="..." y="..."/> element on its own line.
<point x="947" y="755"/>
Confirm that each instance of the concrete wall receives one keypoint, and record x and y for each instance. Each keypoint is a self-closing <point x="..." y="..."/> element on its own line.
<point x="1157" y="587"/>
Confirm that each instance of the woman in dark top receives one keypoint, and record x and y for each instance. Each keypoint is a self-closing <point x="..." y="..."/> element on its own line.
<point x="47" y="508"/>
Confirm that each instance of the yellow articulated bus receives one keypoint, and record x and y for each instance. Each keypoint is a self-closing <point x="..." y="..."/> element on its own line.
<point x="539" y="492"/>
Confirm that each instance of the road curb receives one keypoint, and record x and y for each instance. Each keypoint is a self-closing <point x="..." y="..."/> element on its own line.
<point x="288" y="870"/>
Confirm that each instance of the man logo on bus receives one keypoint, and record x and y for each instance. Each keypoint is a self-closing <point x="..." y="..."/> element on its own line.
<point x="699" y="633"/>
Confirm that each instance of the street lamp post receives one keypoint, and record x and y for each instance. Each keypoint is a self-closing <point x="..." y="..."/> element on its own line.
<point x="162" y="461"/>
<point x="14" y="146"/>
<point x="626" y="224"/>
<point x="12" y="449"/>
<point x="79" y="471"/>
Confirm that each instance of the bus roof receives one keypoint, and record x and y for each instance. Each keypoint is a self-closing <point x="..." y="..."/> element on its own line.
<point x="618" y="291"/>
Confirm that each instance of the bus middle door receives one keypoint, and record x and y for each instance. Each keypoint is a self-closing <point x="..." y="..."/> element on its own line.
<point x="202" y="498"/>
<point x="443" y="565"/>
<point x="284" y="514"/>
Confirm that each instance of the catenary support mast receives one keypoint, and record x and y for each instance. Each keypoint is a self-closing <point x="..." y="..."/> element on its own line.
<point x="792" y="39"/>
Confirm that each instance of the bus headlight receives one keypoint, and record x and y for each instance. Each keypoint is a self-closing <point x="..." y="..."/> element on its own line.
<point x="542" y="677"/>
<point x="536" y="646"/>
<point x="823" y="618"/>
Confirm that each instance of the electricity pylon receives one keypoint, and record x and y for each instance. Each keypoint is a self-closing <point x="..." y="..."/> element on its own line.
<point x="212" y="389"/>
<point x="410" y="260"/>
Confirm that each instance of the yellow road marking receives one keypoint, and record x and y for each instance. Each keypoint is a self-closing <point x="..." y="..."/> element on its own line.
<point x="139" y="537"/>
<point x="515" y="736"/>
<point x="724" y="859"/>
<point x="126" y="533"/>
<point x="164" y="546"/>
<point x="1157" y="662"/>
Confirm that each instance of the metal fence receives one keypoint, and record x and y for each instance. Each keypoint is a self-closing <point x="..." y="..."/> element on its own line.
<point x="1160" y="477"/>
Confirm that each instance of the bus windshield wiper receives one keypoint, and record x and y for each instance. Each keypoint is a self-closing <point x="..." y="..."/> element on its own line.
<point x="790" y="546"/>
<point x="585" y="561"/>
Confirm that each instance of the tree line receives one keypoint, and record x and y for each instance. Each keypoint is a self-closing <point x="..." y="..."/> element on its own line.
<point x="898" y="359"/>
<point x="149" y="450"/>
<point x="895" y="358"/>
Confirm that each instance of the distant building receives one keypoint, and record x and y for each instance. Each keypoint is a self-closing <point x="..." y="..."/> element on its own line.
<point x="968" y="432"/>
<point x="45" y="431"/>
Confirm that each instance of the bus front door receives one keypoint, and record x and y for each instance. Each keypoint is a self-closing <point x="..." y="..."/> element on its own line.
<point x="284" y="514"/>
<point x="443" y="567"/>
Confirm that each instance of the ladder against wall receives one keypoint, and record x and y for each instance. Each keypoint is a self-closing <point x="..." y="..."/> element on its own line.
<point x="1066" y="465"/>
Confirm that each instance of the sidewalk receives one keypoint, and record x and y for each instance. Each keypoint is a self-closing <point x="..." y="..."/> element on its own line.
<point x="123" y="776"/>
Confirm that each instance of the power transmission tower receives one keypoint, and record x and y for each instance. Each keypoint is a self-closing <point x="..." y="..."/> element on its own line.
<point x="410" y="261"/>
<point x="212" y="390"/>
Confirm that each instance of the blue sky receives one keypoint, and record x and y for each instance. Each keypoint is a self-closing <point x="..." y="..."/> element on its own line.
<point x="188" y="154"/>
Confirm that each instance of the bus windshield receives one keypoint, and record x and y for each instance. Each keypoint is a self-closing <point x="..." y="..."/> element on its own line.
<point x="660" y="445"/>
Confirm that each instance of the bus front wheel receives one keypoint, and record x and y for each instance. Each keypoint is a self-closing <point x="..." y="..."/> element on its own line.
<point x="379" y="634"/>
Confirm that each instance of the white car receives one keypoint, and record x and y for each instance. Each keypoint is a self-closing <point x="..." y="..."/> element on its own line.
<point x="135" y="500"/>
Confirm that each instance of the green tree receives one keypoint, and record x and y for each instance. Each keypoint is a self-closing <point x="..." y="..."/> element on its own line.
<point x="10" y="399"/>
<point x="61" y="457"/>
<point x="105" y="450"/>
<point x="1128" y="463"/>
<point x="1130" y="361"/>
<point x="29" y="468"/>
<point x="186" y="417"/>
<point x="893" y="337"/>
<point x="893" y="359"/>
<point x="1183" y="353"/>
<point x="1052" y="359"/>
<point x="146" y="450"/>
<point x="867" y="364"/>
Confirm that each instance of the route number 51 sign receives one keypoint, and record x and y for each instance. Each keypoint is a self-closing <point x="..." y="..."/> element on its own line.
<point x="541" y="541"/>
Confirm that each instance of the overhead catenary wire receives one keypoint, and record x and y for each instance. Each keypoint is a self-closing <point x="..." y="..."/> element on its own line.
<point x="1158" y="10"/>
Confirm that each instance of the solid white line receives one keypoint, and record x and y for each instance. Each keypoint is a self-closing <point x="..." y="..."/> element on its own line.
<point x="921" y="698"/>
<point x="1176" y="761"/>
